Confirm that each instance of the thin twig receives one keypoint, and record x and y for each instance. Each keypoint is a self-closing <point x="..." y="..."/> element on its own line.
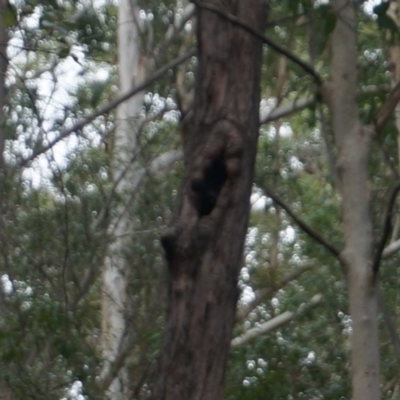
<point x="261" y="294"/>
<point x="109" y="107"/>
<point x="304" y="226"/>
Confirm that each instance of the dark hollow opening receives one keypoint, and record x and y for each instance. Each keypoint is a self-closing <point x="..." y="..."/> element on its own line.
<point x="209" y="189"/>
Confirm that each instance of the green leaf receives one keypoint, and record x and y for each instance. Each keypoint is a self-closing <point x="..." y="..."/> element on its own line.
<point x="97" y="90"/>
<point x="9" y="16"/>
<point x="329" y="18"/>
<point x="383" y="20"/>
<point x="64" y="52"/>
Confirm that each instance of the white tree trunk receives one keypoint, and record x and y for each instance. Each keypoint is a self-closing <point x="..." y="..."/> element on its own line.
<point x="394" y="52"/>
<point x="114" y="332"/>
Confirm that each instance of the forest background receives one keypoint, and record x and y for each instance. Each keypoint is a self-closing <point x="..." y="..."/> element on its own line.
<point x="93" y="95"/>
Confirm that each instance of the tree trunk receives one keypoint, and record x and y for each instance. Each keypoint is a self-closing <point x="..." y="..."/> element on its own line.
<point x="394" y="53"/>
<point x="5" y="390"/>
<point x="3" y="92"/>
<point x="114" y="328"/>
<point x="353" y="145"/>
<point x="204" y="243"/>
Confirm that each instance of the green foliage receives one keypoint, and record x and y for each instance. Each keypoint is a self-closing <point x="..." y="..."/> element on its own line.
<point x="55" y="236"/>
<point x="9" y="16"/>
<point x="384" y="21"/>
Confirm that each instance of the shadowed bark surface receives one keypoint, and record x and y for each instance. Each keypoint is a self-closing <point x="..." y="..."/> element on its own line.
<point x="204" y="243"/>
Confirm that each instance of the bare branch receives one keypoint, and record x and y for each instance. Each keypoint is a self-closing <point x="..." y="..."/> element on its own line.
<point x="261" y="294"/>
<point x="391" y="249"/>
<point x="266" y="327"/>
<point x="275" y="322"/>
<point x="387" y="109"/>
<point x="109" y="107"/>
<point x="286" y="109"/>
<point x="237" y="21"/>
<point x="305" y="227"/>
<point x="158" y="166"/>
<point x="301" y="104"/>
<point x="173" y="31"/>
<point x="387" y="227"/>
<point x="163" y="162"/>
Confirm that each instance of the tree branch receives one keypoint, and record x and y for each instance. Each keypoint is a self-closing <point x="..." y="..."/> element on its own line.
<point x="391" y="249"/>
<point x="305" y="227"/>
<point x="109" y="107"/>
<point x="237" y="21"/>
<point x="275" y="322"/>
<point x="386" y="228"/>
<point x="266" y="327"/>
<point x="173" y="31"/>
<point x="285" y="110"/>
<point x="387" y="109"/>
<point x="261" y="294"/>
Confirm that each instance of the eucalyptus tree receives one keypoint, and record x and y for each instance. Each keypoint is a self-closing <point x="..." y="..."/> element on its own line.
<point x="126" y="304"/>
<point x="114" y="303"/>
<point x="50" y="197"/>
<point x="205" y="239"/>
<point x="327" y="156"/>
<point x="359" y="113"/>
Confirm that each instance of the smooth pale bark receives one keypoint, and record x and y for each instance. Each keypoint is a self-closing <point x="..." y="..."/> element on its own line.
<point x="392" y="249"/>
<point x="353" y="146"/>
<point x="285" y="110"/>
<point x="114" y="332"/>
<point x="275" y="323"/>
<point x="394" y="53"/>
<point x="204" y="243"/>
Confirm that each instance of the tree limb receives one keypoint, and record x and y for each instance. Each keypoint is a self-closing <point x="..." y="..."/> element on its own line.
<point x="109" y="107"/>
<point x="266" y="327"/>
<point x="275" y="322"/>
<point x="304" y="226"/>
<point x="237" y="21"/>
<point x="299" y="104"/>
<point x="386" y="228"/>
<point x="382" y="252"/>
<point x="261" y="294"/>
<point x="173" y="30"/>
<point x="391" y="249"/>
<point x="387" y="109"/>
<point x="285" y="110"/>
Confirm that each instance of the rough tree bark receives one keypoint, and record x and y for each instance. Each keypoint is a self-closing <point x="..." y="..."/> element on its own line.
<point x="353" y="146"/>
<point x="204" y="242"/>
